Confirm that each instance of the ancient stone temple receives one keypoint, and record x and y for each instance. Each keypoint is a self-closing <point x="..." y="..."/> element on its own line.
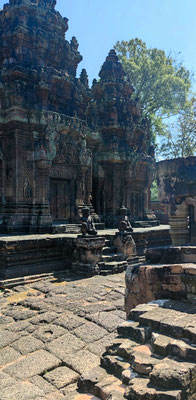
<point x="63" y="145"/>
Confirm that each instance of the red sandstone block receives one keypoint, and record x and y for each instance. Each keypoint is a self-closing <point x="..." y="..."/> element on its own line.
<point x="190" y="270"/>
<point x="143" y="349"/>
<point x="175" y="269"/>
<point x="172" y="279"/>
<point x="179" y="287"/>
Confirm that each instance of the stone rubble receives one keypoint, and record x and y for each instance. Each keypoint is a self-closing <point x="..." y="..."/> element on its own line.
<point x="153" y="357"/>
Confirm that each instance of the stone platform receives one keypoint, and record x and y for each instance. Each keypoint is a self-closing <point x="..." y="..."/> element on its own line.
<point x="54" y="334"/>
<point x="54" y="330"/>
<point x="38" y="254"/>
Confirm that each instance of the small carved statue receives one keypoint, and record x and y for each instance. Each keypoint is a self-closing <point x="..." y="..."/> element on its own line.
<point x="124" y="225"/>
<point x="88" y="226"/>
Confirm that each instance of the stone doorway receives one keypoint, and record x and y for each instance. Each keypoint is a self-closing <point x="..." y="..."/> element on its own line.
<point x="60" y="200"/>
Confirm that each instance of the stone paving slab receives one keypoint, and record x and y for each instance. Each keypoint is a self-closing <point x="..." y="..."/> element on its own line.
<point x="21" y="391"/>
<point x="48" y="332"/>
<point x="6" y="338"/>
<point x="54" y="330"/>
<point x="27" y="344"/>
<point x="90" y="332"/>
<point x="69" y="321"/>
<point x="106" y="320"/>
<point x="33" y="364"/>
<point x="7" y="355"/>
<point x="6" y="380"/>
<point x="61" y="377"/>
<point x="82" y="361"/>
<point x="67" y="344"/>
<point x="42" y="384"/>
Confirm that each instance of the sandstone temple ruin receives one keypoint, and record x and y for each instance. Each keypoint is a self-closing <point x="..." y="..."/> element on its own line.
<point x="64" y="145"/>
<point x="72" y="156"/>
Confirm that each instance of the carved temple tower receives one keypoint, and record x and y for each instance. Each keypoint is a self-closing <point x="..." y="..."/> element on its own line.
<point x="45" y="165"/>
<point x="57" y="136"/>
<point x="123" y="163"/>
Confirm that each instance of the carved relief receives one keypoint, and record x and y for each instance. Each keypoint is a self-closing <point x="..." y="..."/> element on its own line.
<point x="27" y="190"/>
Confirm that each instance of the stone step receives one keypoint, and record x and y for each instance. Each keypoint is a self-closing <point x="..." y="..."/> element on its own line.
<point x="138" y="259"/>
<point x="152" y="365"/>
<point x="139" y="357"/>
<point x="106" y="272"/>
<point x="114" y="365"/>
<point x="98" y="382"/>
<point x="113" y="265"/>
<point x="143" y="363"/>
<point x="122" y="347"/>
<point x="116" y="269"/>
<point x="134" y="331"/>
<point x="171" y="322"/>
<point x="169" y="373"/>
<point x="113" y="257"/>
<point x="141" y="389"/>
<point x="10" y="283"/>
<point x="168" y="346"/>
<point x="164" y="317"/>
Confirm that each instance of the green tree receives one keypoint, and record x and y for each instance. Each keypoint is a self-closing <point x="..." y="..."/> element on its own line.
<point x="154" y="191"/>
<point x="180" y="138"/>
<point x="161" y="83"/>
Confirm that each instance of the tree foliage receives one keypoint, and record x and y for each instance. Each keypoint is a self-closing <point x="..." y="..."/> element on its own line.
<point x="154" y="191"/>
<point x="161" y="82"/>
<point x="180" y="138"/>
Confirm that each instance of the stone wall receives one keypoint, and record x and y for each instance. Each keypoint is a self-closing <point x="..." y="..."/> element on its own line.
<point x="153" y="282"/>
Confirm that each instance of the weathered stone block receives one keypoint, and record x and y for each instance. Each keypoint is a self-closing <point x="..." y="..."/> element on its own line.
<point x="33" y="364"/>
<point x="61" y="377"/>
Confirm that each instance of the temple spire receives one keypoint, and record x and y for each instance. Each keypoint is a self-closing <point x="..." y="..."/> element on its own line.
<point x="112" y="69"/>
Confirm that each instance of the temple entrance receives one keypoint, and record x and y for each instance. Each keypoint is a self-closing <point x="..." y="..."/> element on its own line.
<point x="60" y="199"/>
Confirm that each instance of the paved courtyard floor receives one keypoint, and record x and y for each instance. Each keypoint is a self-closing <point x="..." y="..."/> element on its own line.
<point x="52" y="331"/>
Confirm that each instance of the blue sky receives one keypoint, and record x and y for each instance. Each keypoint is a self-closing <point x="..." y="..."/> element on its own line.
<point x="98" y="24"/>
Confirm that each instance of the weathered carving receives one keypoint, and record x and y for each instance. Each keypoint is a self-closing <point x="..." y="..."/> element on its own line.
<point x="124" y="224"/>
<point x="88" y="226"/>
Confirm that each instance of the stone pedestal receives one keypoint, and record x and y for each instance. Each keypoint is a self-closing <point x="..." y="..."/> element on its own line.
<point x="178" y="220"/>
<point x="88" y="254"/>
<point x="125" y="244"/>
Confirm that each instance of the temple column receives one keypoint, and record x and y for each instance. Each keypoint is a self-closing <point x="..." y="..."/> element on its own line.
<point x="43" y="192"/>
<point x="178" y="221"/>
